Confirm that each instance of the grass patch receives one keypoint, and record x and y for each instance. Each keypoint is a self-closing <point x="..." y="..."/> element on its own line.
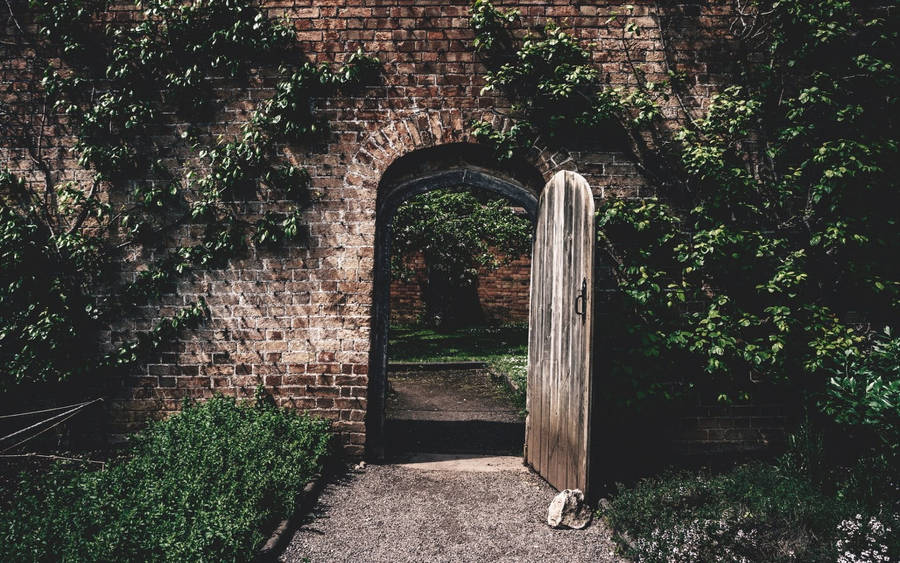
<point x="206" y="484"/>
<point x="755" y="512"/>
<point x="416" y="344"/>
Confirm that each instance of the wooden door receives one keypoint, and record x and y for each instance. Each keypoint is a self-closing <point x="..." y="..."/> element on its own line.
<point x="557" y="440"/>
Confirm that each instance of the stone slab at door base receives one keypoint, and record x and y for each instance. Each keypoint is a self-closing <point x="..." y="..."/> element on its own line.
<point x="462" y="462"/>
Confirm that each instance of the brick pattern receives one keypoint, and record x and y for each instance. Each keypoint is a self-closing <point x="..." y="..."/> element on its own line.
<point x="502" y="292"/>
<point x="734" y="428"/>
<point x="297" y="320"/>
<point x="407" y="306"/>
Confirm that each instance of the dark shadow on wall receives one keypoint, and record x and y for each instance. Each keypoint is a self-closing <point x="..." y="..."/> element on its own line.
<point x="638" y="432"/>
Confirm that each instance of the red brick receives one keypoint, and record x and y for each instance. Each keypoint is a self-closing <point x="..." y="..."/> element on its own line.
<point x="298" y="319"/>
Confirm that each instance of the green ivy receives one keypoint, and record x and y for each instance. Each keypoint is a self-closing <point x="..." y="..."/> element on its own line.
<point x="864" y="393"/>
<point x="118" y="86"/>
<point x="46" y="317"/>
<point x="775" y="225"/>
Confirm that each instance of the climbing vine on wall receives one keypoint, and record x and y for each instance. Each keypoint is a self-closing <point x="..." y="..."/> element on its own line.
<point x="770" y="251"/>
<point x="141" y="101"/>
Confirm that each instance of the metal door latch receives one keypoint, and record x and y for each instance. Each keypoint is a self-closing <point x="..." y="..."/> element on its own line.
<point x="582" y="297"/>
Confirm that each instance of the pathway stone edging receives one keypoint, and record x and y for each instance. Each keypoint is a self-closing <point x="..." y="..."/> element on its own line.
<point x="398" y="367"/>
<point x="435" y="366"/>
<point x="509" y="380"/>
<point x="281" y="536"/>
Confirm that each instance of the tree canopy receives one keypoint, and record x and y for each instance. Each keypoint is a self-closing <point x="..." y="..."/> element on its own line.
<point x="459" y="233"/>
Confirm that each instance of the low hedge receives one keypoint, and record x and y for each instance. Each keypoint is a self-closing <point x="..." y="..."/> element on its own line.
<point x="206" y="484"/>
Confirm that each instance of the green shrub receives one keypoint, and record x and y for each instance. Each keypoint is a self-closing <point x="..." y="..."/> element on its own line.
<point x="206" y="484"/>
<point x="864" y="394"/>
<point x="755" y="512"/>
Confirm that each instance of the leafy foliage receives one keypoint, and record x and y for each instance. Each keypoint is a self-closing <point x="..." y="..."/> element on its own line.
<point x="755" y="512"/>
<point x="774" y="232"/>
<point x="458" y="234"/>
<point x="118" y="86"/>
<point x="205" y="484"/>
<point x="865" y="394"/>
<point x="515" y="368"/>
<point x="774" y="226"/>
<point x="45" y="318"/>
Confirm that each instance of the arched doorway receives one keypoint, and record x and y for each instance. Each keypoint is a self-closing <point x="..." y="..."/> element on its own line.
<point x="443" y="167"/>
<point x="559" y="388"/>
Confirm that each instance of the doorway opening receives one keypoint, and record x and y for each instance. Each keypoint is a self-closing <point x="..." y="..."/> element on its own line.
<point x="443" y="360"/>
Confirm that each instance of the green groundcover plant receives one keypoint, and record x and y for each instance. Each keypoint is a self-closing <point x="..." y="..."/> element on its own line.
<point x="756" y="512"/>
<point x="207" y="484"/>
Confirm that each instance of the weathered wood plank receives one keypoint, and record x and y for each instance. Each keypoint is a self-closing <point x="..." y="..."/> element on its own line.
<point x="566" y="330"/>
<point x="573" y="382"/>
<point x="535" y="394"/>
<point x="557" y="274"/>
<point x="587" y="357"/>
<point x="557" y="441"/>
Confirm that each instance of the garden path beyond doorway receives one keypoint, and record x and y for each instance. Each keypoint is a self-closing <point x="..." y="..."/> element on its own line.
<point x="452" y="411"/>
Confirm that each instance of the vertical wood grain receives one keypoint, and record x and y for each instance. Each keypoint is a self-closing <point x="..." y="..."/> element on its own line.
<point x="559" y="348"/>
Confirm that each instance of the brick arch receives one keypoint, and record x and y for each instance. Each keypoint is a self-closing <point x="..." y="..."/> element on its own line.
<point x="407" y="133"/>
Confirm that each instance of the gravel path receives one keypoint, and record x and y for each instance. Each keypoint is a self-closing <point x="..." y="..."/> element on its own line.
<point x="398" y="513"/>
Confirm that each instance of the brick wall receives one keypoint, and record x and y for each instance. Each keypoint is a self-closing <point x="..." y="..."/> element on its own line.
<point x="407" y="306"/>
<point x="709" y="428"/>
<point x="502" y="292"/>
<point x="298" y="319"/>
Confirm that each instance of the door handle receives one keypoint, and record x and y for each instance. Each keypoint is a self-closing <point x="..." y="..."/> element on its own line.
<point x="582" y="298"/>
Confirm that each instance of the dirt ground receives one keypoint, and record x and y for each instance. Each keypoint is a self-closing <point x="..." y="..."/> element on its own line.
<point x="392" y="513"/>
<point x="466" y="394"/>
<point x="458" y="411"/>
